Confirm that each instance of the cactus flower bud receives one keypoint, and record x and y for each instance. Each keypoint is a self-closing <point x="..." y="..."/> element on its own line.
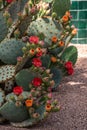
<point x="53" y="59"/>
<point x="16" y="33"/>
<point x="41" y="43"/>
<point x="36" y="115"/>
<point x="74" y="31"/>
<point x="26" y="9"/>
<point x="9" y="22"/>
<point x="24" y="49"/>
<point x="20" y="16"/>
<point x="54" y="15"/>
<point x="52" y="83"/>
<point x="49" y="95"/>
<point x="48" y="71"/>
<point x="31" y="110"/>
<point x="38" y="49"/>
<point x="25" y="39"/>
<point x="45" y="114"/>
<point x="32" y="52"/>
<point x="19" y="59"/>
<point x="6" y="15"/>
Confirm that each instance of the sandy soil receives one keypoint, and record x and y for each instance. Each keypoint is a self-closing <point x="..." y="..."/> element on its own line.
<point x="72" y="96"/>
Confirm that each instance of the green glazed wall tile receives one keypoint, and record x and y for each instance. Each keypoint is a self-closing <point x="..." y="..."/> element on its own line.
<point x="74" y="14"/>
<point x="82" y="25"/>
<point x="82" y="14"/>
<point x="83" y="41"/>
<point x="75" y="5"/>
<point x="83" y="4"/>
<point x="79" y="19"/>
<point x="82" y="33"/>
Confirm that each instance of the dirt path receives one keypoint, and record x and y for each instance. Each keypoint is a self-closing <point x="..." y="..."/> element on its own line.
<point x="72" y="95"/>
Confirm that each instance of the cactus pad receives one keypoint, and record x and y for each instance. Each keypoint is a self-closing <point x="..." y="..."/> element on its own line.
<point x="10" y="50"/>
<point x="31" y="121"/>
<point x="13" y="113"/>
<point x="46" y="26"/>
<point x="16" y="7"/>
<point x="57" y="76"/>
<point x="6" y="72"/>
<point x="70" y="54"/>
<point x="2" y="96"/>
<point x="3" y="27"/>
<point x="46" y="61"/>
<point x="24" y="77"/>
<point x="60" y="7"/>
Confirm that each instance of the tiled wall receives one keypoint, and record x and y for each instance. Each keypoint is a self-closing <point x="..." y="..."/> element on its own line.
<point x="79" y="14"/>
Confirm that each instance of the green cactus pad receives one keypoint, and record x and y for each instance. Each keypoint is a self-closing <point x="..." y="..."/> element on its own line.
<point x="25" y="95"/>
<point x="46" y="61"/>
<point x="10" y="50"/>
<point x="6" y="73"/>
<point x="16" y="7"/>
<point x="56" y="51"/>
<point x="57" y="76"/>
<point x="70" y="54"/>
<point x="24" y="78"/>
<point x="11" y="97"/>
<point x="31" y="121"/>
<point x="60" y="7"/>
<point x="3" y="27"/>
<point x="13" y="113"/>
<point x="2" y="96"/>
<point x="47" y="27"/>
<point x="47" y="1"/>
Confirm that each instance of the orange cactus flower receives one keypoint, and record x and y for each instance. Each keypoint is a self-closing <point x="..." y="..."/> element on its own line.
<point x="38" y="49"/>
<point x="32" y="51"/>
<point x="67" y="13"/>
<point x="53" y="59"/>
<point x="54" y="39"/>
<point x="65" y="18"/>
<point x="48" y="107"/>
<point x="61" y="43"/>
<point x="74" y="31"/>
<point x="29" y="102"/>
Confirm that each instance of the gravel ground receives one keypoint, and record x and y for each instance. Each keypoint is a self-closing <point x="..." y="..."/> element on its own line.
<point x="72" y="96"/>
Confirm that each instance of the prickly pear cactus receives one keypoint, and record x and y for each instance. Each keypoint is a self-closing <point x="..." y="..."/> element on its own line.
<point x="34" y="57"/>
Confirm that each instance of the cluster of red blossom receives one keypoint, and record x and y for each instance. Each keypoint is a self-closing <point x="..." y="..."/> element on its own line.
<point x="9" y="1"/>
<point x="69" y="67"/>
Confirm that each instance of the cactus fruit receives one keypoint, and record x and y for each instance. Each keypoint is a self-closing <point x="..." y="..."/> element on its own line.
<point x="7" y="72"/>
<point x="10" y="50"/>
